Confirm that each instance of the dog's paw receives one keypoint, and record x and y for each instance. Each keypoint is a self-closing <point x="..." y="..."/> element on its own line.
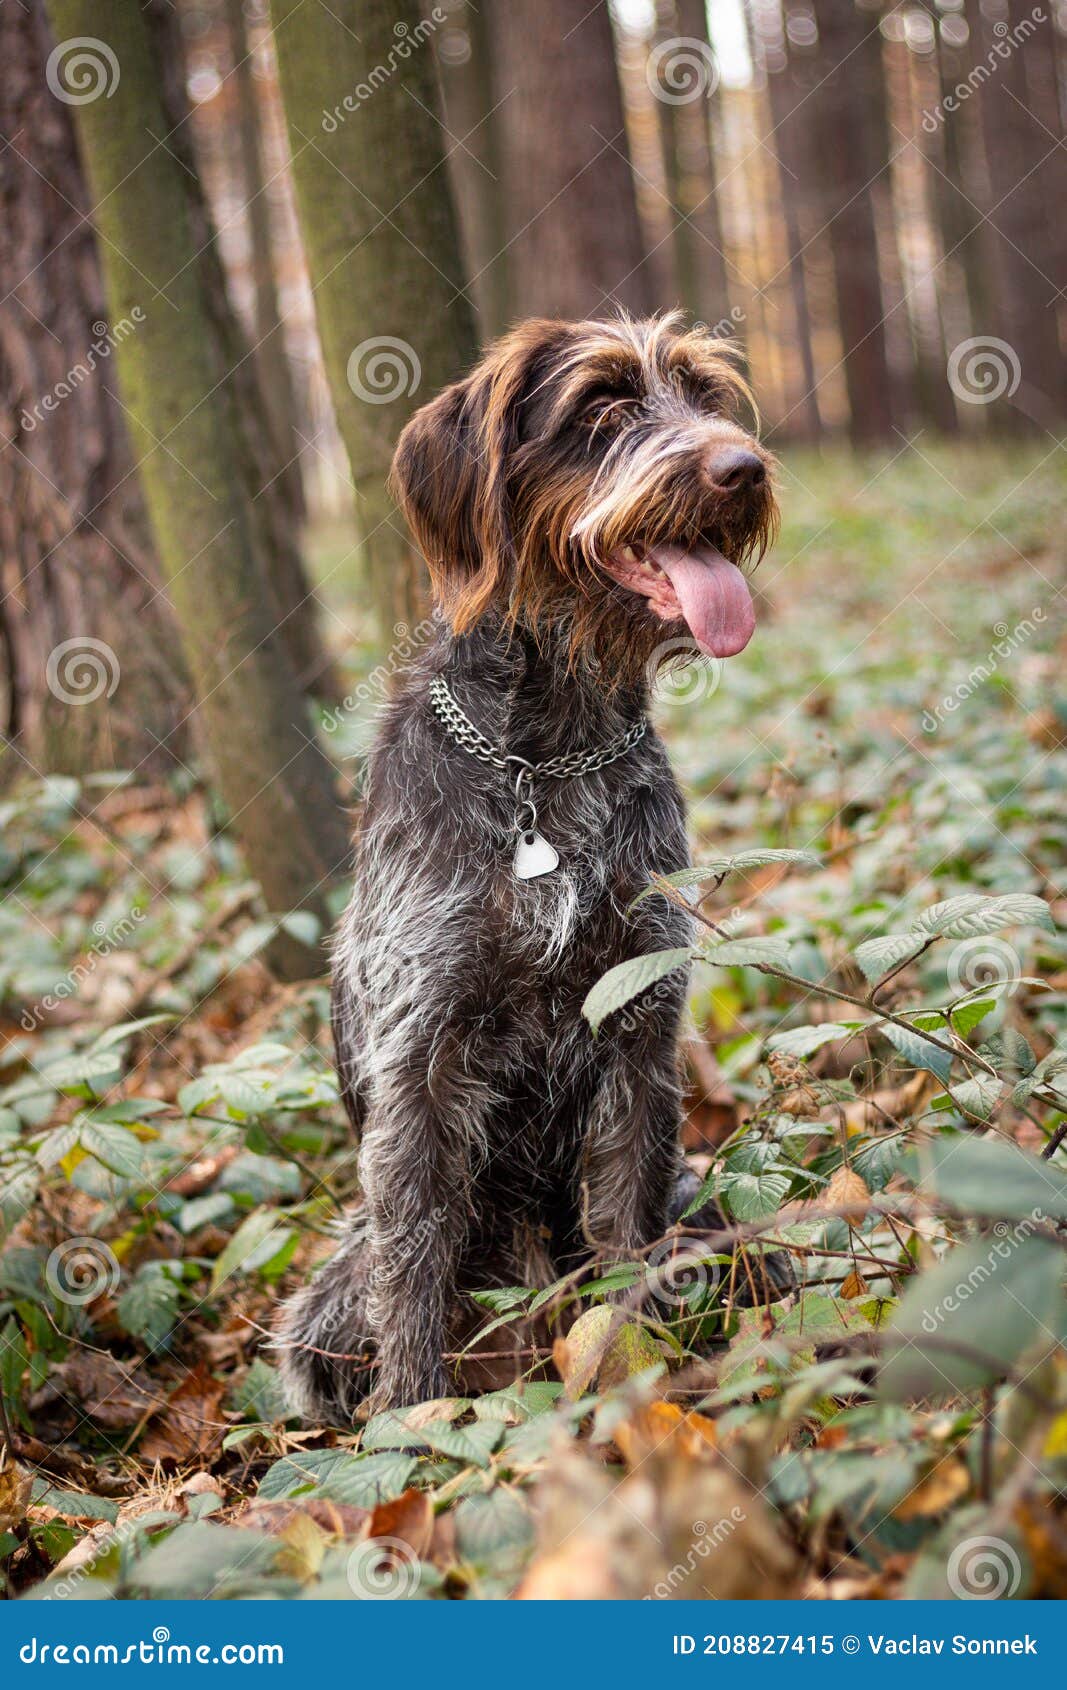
<point x="326" y="1353"/>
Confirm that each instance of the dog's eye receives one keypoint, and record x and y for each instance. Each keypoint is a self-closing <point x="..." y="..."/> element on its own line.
<point x="606" y="412"/>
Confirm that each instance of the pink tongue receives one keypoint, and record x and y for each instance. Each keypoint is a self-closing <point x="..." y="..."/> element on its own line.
<point x="714" y="597"/>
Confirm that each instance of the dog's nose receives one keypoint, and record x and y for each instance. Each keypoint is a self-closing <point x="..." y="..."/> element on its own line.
<point x="735" y="469"/>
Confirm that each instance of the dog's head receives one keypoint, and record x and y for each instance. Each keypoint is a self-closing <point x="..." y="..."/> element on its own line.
<point x="593" y="476"/>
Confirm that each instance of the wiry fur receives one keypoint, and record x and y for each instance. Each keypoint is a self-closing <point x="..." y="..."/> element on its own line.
<point x="498" y="1137"/>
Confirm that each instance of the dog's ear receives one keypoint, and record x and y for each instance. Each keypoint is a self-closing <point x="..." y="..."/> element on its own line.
<point x="447" y="478"/>
<point x="450" y="476"/>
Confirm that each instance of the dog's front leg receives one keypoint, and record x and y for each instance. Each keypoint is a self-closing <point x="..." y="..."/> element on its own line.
<point x="631" y="1144"/>
<point x="416" y="1173"/>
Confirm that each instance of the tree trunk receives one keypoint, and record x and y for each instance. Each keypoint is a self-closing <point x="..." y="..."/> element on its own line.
<point x="291" y="597"/>
<point x="847" y="112"/>
<point x="183" y="404"/>
<point x="87" y="674"/>
<point x="381" y="244"/>
<point x="786" y="141"/>
<point x="468" y="88"/>
<point x="576" y="248"/>
<point x="272" y="359"/>
<point x="698" y="196"/>
<point x="1026" y="185"/>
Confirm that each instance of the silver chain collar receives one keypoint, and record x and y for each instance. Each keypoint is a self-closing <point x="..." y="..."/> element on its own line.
<point x="533" y="853"/>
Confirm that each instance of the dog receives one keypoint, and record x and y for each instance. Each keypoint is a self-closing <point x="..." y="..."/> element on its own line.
<point x="585" y="499"/>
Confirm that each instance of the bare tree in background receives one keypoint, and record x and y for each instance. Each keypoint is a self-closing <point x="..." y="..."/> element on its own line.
<point x="469" y="90"/>
<point x="276" y="377"/>
<point x="787" y="142"/>
<point x="382" y="247"/>
<point x="1026" y="198"/>
<point x="187" y="428"/>
<point x="575" y="240"/>
<point x="688" y="140"/>
<point x="79" y="576"/>
<point x="846" y="110"/>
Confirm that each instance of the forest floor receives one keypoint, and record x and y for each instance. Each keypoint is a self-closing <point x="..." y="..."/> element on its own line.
<point x="172" y="1149"/>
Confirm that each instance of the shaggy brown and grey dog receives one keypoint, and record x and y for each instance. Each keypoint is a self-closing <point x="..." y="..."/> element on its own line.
<point x="583" y="499"/>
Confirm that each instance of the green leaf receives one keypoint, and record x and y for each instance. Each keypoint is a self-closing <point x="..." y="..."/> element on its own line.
<point x="750" y="1197"/>
<point x="246" y="1245"/>
<point x="967" y="1015"/>
<point x="148" y="1308"/>
<point x="627" y="980"/>
<point x="877" y="956"/>
<point x="717" y="868"/>
<point x="746" y="953"/>
<point x="970" y="916"/>
<point x="963" y="1324"/>
<point x="916" y="1050"/>
<point x="116" y="1147"/>
<point x="991" y="1177"/>
<point x="805" y="1041"/>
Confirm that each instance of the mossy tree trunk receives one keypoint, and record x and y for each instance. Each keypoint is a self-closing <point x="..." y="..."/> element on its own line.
<point x="79" y="577"/>
<point x="182" y="402"/>
<point x="380" y="235"/>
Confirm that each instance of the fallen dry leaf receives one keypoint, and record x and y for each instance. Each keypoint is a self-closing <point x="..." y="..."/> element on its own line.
<point x="946" y="1481"/>
<point x="191" y="1425"/>
<point x="689" y="1434"/>
<point x="409" y="1519"/>
<point x="110" y="1393"/>
<point x="16" y="1483"/>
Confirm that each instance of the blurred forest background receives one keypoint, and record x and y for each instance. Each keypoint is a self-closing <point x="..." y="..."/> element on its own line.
<point x="241" y="243"/>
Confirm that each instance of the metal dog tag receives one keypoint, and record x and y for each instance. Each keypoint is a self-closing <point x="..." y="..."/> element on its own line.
<point x="534" y="856"/>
